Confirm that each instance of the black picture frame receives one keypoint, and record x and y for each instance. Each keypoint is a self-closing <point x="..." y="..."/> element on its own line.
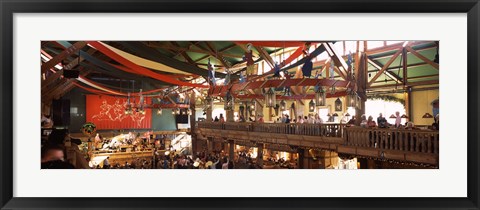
<point x="9" y="7"/>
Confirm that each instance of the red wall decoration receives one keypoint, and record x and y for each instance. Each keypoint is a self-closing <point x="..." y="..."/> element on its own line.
<point x="108" y="112"/>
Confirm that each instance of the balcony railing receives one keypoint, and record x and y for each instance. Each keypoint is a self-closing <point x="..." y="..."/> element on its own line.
<point x="424" y="141"/>
<point x="328" y="130"/>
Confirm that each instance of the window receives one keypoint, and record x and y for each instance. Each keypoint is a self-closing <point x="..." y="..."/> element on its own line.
<point x="387" y="108"/>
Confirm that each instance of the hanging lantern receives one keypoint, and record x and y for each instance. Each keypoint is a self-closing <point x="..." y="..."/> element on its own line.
<point x="252" y="105"/>
<point x="173" y="111"/>
<point x="283" y="105"/>
<point x="320" y="97"/>
<point x="159" y="111"/>
<point x="270" y="98"/>
<point x="311" y="106"/>
<point x="189" y="111"/>
<point x="229" y="102"/>
<point x="392" y="116"/>
<point x="351" y="98"/>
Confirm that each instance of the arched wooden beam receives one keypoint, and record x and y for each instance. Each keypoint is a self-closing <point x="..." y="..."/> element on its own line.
<point x="276" y="83"/>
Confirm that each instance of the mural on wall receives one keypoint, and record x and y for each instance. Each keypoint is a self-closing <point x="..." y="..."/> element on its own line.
<point x="108" y="112"/>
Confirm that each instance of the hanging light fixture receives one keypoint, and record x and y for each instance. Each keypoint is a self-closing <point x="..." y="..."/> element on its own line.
<point x="270" y="98"/>
<point x="128" y="109"/>
<point x="427" y="115"/>
<point x="229" y="102"/>
<point x="159" y="111"/>
<point x="351" y="98"/>
<point x="173" y="111"/>
<point x="283" y="105"/>
<point x="392" y="116"/>
<point x="404" y="116"/>
<point x="320" y="97"/>
<point x="311" y="106"/>
<point x="189" y="111"/>
<point x="252" y="104"/>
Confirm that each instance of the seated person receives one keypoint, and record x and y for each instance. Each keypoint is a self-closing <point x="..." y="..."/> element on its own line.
<point x="371" y="123"/>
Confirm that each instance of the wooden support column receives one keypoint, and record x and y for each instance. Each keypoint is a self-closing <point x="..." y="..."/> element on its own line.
<point x="408" y="103"/>
<point x="193" y="133"/>
<point x="260" y="155"/>
<point x="210" y="111"/>
<point x="231" y="151"/>
<point x="361" y="83"/>
<point x="301" y="158"/>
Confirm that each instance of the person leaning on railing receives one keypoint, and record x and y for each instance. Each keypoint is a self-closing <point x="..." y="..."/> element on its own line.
<point x="370" y="122"/>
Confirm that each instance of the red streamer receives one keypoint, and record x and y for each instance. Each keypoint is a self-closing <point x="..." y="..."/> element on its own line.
<point x="138" y="69"/>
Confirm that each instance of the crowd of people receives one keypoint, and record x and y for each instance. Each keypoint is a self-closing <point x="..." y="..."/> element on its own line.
<point x="365" y="122"/>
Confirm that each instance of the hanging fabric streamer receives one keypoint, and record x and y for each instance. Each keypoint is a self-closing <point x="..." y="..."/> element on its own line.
<point x="349" y="59"/>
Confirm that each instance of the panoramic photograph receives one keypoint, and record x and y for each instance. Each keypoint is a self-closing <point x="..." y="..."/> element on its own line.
<point x="245" y="104"/>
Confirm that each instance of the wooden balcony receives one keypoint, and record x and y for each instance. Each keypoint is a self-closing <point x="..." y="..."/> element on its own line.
<point x="420" y="146"/>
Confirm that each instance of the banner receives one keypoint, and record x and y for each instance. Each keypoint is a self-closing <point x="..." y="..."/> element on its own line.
<point x="108" y="112"/>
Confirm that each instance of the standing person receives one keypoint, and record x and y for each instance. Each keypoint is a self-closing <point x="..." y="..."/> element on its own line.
<point x="287" y="118"/>
<point x="300" y="120"/>
<point x="318" y="119"/>
<point x="398" y="119"/>
<point x="381" y="121"/>
<point x="351" y="121"/>
<point x="216" y="119"/>
<point x="370" y="122"/>
<point x="222" y="119"/>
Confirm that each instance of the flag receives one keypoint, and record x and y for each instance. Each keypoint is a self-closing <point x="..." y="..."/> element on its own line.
<point x="307" y="68"/>
<point x="331" y="69"/>
<point x="211" y="72"/>
<point x="276" y="69"/>
<point x="349" y="59"/>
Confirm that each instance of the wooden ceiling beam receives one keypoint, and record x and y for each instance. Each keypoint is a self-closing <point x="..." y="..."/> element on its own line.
<point x="218" y="55"/>
<point x="433" y="64"/>
<point x="389" y="62"/>
<point x="337" y="59"/>
<point x="185" y="55"/>
<point x="264" y="54"/>
<point x="64" y="54"/>
<point x="59" y="73"/>
<point x="379" y="66"/>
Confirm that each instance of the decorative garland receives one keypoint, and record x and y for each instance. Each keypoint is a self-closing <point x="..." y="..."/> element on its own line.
<point x="386" y="98"/>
